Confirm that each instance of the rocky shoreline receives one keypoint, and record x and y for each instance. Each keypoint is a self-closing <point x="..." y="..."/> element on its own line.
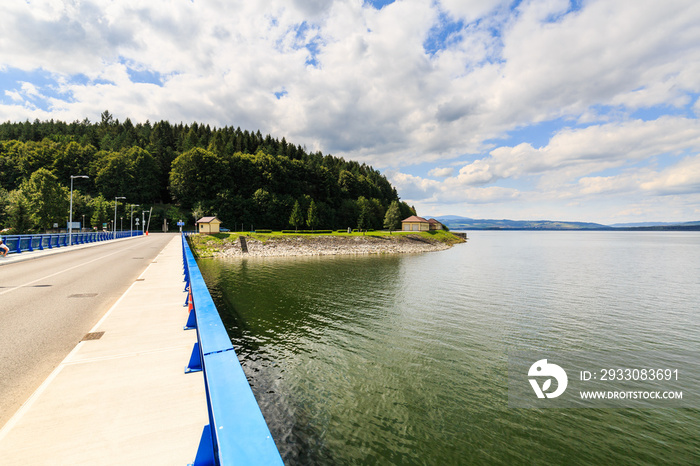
<point x="301" y="245"/>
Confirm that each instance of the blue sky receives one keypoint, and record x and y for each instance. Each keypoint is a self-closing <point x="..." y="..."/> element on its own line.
<point x="580" y="110"/>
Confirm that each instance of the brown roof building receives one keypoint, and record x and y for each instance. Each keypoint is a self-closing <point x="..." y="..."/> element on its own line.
<point x="208" y="225"/>
<point x="415" y="223"/>
<point x="434" y="224"/>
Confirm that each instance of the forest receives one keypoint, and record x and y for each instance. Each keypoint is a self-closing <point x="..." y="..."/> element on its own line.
<point x="182" y="172"/>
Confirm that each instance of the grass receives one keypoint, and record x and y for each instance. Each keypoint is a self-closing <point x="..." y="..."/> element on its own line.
<point x="435" y="235"/>
<point x="208" y="245"/>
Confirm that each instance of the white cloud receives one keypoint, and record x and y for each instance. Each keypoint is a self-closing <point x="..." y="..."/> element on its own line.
<point x="592" y="56"/>
<point x="414" y="188"/>
<point x="573" y="153"/>
<point x="607" y="184"/>
<point x="442" y="172"/>
<point x="681" y="178"/>
<point x="359" y="83"/>
<point x="14" y="95"/>
<point x="486" y="195"/>
<point x="374" y="93"/>
<point x="30" y="90"/>
<point x="470" y="10"/>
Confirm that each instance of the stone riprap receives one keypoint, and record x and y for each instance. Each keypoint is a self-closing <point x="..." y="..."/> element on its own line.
<point x="319" y="245"/>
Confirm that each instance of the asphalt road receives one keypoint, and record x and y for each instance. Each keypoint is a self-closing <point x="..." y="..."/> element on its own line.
<point x="48" y="304"/>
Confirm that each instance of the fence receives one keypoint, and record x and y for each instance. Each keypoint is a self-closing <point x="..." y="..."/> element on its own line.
<point x="22" y="243"/>
<point x="237" y="432"/>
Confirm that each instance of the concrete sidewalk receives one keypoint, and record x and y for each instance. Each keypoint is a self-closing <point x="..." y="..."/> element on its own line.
<point x="122" y="398"/>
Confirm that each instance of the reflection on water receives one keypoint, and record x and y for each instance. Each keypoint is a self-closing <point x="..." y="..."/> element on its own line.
<point x="403" y="359"/>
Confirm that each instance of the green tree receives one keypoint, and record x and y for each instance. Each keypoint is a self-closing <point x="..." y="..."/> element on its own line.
<point x="32" y="156"/>
<point x="392" y="219"/>
<point x="297" y="218"/>
<point x="47" y="199"/>
<point x="312" y="216"/>
<point x="348" y="183"/>
<point x="72" y="159"/>
<point x="217" y="144"/>
<point x="406" y="210"/>
<point x="10" y="173"/>
<point x="115" y="176"/>
<point x="197" y="175"/>
<point x="364" y="217"/>
<point x="145" y="172"/>
<point x="18" y="212"/>
<point x="198" y="211"/>
<point x="100" y="212"/>
<point x="81" y="207"/>
<point x="4" y="203"/>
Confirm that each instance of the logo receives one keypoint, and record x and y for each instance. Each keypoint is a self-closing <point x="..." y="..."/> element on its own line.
<point x="544" y="369"/>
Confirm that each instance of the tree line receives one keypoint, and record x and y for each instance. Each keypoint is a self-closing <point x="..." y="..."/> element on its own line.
<point x="182" y="172"/>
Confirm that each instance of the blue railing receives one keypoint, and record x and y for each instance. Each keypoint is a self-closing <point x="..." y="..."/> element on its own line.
<point x="237" y="432"/>
<point x="22" y="243"/>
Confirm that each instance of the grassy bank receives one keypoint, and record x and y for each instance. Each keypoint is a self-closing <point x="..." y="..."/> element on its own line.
<point x="213" y="245"/>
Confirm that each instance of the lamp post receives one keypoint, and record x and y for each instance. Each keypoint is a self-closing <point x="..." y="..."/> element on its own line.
<point x="143" y="221"/>
<point x="70" y="215"/>
<point x="115" y="215"/>
<point x="131" y="229"/>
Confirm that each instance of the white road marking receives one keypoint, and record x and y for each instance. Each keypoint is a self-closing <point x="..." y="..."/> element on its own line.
<point x="60" y="272"/>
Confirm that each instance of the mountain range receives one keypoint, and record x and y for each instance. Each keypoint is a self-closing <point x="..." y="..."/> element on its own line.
<point x="455" y="222"/>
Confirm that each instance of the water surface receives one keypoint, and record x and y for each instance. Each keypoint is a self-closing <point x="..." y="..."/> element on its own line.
<point x="402" y="359"/>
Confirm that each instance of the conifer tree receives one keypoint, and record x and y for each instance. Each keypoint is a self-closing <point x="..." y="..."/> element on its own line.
<point x="392" y="217"/>
<point x="297" y="218"/>
<point x="312" y="218"/>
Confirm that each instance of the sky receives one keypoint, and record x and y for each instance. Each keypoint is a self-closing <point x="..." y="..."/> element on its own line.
<point x="570" y="110"/>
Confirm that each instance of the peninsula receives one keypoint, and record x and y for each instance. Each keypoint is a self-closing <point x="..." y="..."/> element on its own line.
<point x="222" y="245"/>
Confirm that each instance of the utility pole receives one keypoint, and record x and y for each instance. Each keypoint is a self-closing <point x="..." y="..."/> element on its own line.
<point x="131" y="229"/>
<point x="116" y="201"/>
<point x="70" y="216"/>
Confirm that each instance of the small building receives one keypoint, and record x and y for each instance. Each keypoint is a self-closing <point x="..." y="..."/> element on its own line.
<point x="414" y="223"/>
<point x="208" y="225"/>
<point x="434" y="224"/>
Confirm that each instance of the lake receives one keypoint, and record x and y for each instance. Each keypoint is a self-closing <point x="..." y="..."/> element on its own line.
<point x="403" y="359"/>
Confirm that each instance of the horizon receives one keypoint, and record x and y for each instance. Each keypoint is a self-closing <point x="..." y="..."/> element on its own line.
<point x="494" y="109"/>
<point x="561" y="221"/>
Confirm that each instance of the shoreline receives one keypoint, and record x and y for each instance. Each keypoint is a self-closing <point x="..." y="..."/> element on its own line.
<point x="216" y="246"/>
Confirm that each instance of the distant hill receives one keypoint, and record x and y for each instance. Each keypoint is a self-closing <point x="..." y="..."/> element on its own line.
<point x="455" y="222"/>
<point x="653" y="224"/>
<point x="464" y="223"/>
<point x="658" y="226"/>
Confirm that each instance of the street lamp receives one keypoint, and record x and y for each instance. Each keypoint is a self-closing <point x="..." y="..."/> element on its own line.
<point x="131" y="229"/>
<point x="70" y="215"/>
<point x="115" y="214"/>
<point x="143" y="221"/>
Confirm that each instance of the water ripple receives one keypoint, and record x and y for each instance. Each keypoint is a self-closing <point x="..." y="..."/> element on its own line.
<point x="402" y="359"/>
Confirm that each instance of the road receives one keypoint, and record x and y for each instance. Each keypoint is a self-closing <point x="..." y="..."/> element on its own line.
<point x="48" y="304"/>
